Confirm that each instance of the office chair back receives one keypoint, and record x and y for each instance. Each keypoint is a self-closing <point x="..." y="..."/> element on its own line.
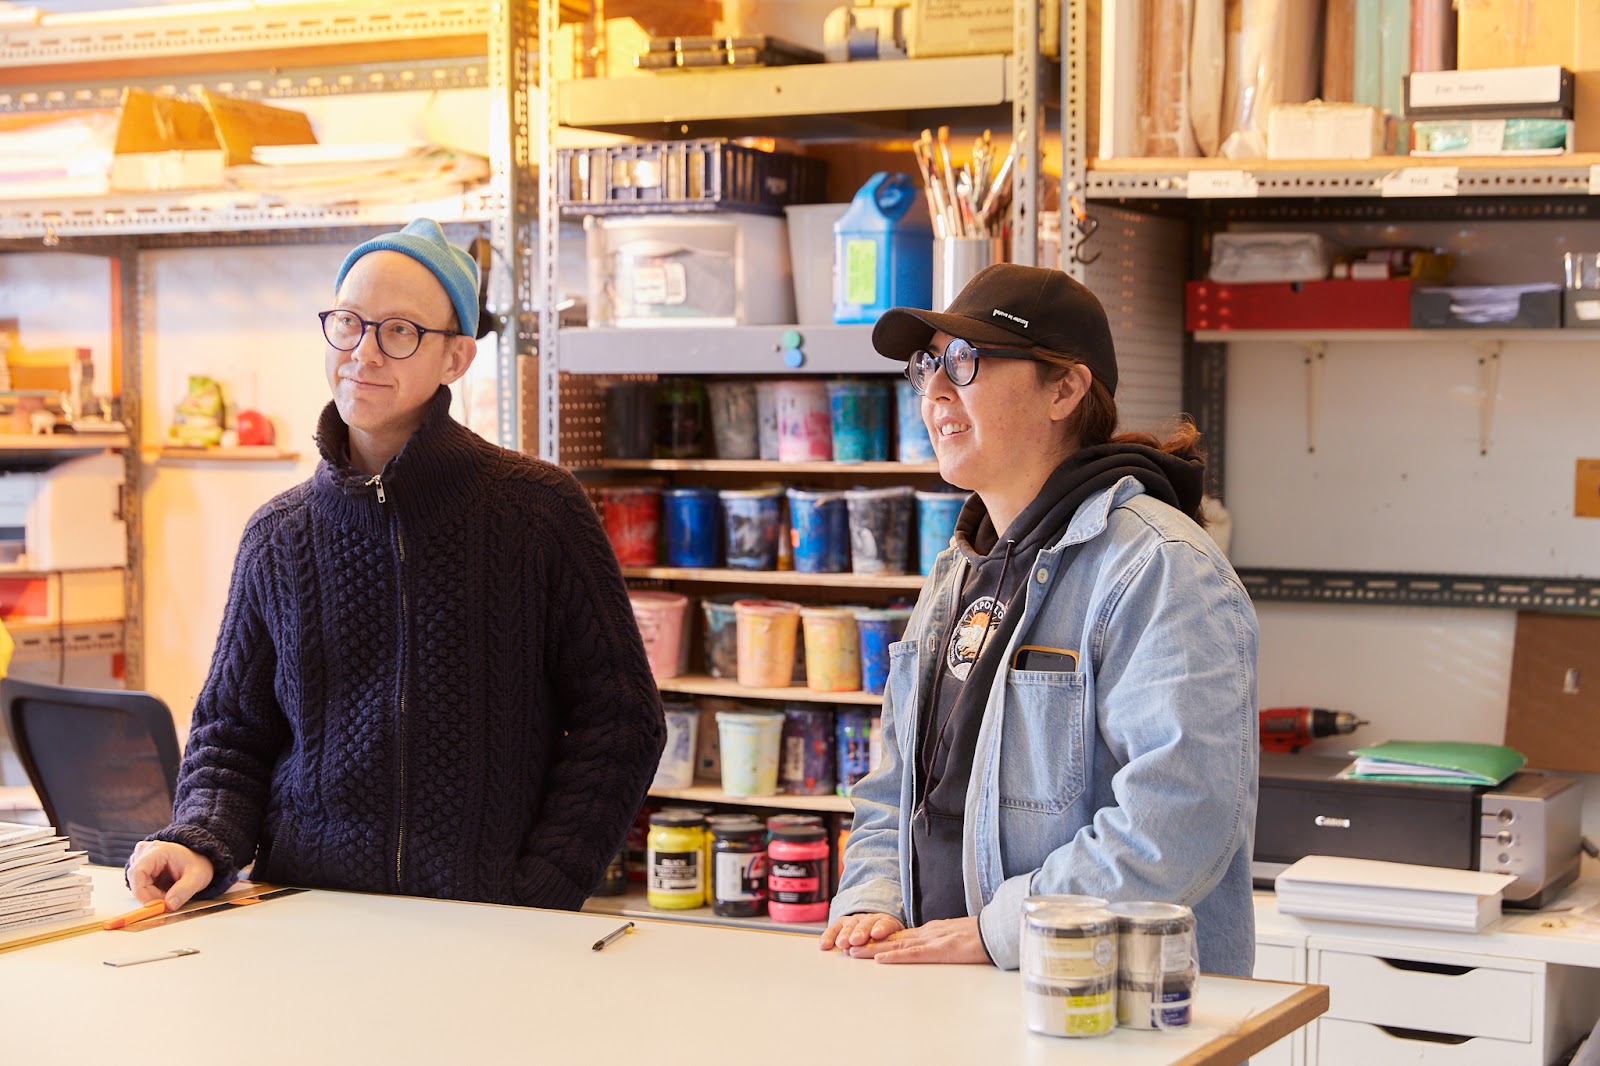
<point x="103" y="761"/>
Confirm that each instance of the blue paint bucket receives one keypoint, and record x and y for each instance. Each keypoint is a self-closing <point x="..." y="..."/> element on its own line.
<point x="721" y="646"/>
<point x="750" y="522"/>
<point x="819" y="529"/>
<point x="913" y="445"/>
<point x="860" y="412"/>
<point x="691" y="517"/>
<point x="936" y="521"/>
<point x="852" y="728"/>
<point x="878" y="629"/>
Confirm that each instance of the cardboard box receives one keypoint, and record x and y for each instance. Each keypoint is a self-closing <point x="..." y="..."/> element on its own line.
<point x="1330" y="305"/>
<point x="1586" y="110"/>
<point x="1528" y="33"/>
<point x="167" y="143"/>
<point x="973" y="27"/>
<point x="1326" y="131"/>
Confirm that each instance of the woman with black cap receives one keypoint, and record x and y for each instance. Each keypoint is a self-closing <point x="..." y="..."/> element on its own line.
<point x="1073" y="707"/>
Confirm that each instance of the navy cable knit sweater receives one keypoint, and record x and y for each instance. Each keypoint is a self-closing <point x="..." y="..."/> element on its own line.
<point x="429" y="684"/>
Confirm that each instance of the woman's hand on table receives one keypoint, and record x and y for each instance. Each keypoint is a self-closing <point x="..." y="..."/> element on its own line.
<point x="160" y="869"/>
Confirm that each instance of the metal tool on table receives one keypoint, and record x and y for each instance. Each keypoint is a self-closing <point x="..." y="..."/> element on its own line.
<point x="220" y="906"/>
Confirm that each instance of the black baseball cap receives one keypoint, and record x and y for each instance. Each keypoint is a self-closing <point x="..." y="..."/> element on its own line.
<point x="1011" y="306"/>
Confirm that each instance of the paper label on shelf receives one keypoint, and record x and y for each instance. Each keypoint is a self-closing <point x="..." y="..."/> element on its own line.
<point x="1216" y="184"/>
<point x="1587" y="310"/>
<point x="1594" y="179"/>
<point x="1421" y="181"/>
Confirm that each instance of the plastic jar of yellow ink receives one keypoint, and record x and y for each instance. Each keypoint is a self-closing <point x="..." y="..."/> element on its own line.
<point x="677" y="850"/>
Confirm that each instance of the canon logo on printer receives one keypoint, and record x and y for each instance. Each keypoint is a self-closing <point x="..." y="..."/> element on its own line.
<point x="1019" y="321"/>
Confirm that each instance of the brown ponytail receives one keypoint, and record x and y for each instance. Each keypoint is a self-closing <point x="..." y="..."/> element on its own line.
<point x="1095" y="420"/>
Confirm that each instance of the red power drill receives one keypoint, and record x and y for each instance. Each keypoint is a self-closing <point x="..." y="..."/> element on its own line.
<point x="1288" y="729"/>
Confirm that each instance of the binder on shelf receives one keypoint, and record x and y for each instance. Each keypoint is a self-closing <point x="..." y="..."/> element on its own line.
<point x="1436" y="762"/>
<point x="1331" y="305"/>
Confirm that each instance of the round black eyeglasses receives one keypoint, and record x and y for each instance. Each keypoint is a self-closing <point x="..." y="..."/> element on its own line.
<point x="960" y="362"/>
<point x="398" y="338"/>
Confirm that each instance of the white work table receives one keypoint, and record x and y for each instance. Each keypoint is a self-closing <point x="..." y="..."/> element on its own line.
<point x="326" y="977"/>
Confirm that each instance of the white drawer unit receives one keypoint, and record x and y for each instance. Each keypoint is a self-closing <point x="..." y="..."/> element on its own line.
<point x="1393" y="1004"/>
<point x="1281" y="959"/>
<point x="1344" y="1043"/>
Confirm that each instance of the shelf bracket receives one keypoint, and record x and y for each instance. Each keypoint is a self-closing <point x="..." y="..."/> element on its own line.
<point x="1488" y="390"/>
<point x="1314" y="351"/>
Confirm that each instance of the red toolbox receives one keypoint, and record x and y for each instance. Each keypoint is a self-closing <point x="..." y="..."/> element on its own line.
<point x="1299" y="305"/>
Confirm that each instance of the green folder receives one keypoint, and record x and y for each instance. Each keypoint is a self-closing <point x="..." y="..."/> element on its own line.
<point x="1437" y="762"/>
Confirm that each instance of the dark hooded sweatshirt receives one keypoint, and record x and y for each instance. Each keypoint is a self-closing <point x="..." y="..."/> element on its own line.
<point x="991" y="602"/>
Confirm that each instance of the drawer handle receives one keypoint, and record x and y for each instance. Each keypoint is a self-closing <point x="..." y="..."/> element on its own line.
<point x="1423" y="1035"/>
<point x="1428" y="967"/>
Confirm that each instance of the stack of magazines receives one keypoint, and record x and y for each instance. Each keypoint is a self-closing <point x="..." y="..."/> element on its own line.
<point x="40" y="880"/>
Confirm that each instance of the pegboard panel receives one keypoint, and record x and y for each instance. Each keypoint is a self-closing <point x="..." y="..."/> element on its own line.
<point x="582" y="414"/>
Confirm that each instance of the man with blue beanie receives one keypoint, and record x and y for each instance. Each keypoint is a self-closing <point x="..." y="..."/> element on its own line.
<point x="428" y="680"/>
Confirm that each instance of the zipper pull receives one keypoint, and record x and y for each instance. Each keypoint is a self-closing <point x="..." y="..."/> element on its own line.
<point x="377" y="481"/>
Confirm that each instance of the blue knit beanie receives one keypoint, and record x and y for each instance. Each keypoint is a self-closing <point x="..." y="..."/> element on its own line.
<point x="424" y="241"/>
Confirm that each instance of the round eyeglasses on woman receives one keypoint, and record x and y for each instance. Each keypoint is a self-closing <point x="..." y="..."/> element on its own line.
<point x="960" y="362"/>
<point x="398" y="338"/>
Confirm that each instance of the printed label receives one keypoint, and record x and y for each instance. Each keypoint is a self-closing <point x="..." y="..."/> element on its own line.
<point x="1222" y="184"/>
<point x="675" y="871"/>
<point x="1175" y="952"/>
<point x="660" y="283"/>
<point x="738" y="877"/>
<point x="1421" y="181"/>
<point x="861" y="272"/>
<point x="794" y="759"/>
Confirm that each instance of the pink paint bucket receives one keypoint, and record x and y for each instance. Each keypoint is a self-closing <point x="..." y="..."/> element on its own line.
<point x="805" y="421"/>
<point x="660" y="619"/>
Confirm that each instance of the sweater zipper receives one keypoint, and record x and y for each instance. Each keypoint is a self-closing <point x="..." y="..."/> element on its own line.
<point x="400" y="552"/>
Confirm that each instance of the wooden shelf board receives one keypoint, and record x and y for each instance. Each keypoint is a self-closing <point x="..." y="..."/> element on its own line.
<point x="781" y="801"/>
<point x="257" y="453"/>
<point x="767" y="466"/>
<point x="791" y="578"/>
<point x="1365" y="336"/>
<point x="636" y="904"/>
<point x="701" y="685"/>
<point x="1381" y="164"/>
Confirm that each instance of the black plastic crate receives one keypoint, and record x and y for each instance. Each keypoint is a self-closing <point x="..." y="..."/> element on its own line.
<point x="698" y="175"/>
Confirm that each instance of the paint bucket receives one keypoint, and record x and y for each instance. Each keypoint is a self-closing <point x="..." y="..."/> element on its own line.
<point x="936" y="524"/>
<point x="680" y="418"/>
<point x="734" y="423"/>
<point x="692" y="517"/>
<point x="766" y="420"/>
<point x="860" y="418"/>
<point x="833" y="649"/>
<point x="708" y="756"/>
<point x="880" y="527"/>
<point x="766" y="635"/>
<point x="720" y="646"/>
<point x="797" y="874"/>
<point x="878" y="629"/>
<point x="629" y="427"/>
<point x="632" y="518"/>
<point x="806" y="766"/>
<point x="805" y="421"/>
<point x="852" y="731"/>
<point x="660" y="619"/>
<point x="1156" y="967"/>
<point x="676" y="768"/>
<point x="750" y="742"/>
<point x="750" y="524"/>
<point x="1069" y="970"/>
<point x="819" y="530"/>
<point x="912" y="443"/>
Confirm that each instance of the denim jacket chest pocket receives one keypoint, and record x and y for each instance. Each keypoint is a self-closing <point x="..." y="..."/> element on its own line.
<point x="1042" y="741"/>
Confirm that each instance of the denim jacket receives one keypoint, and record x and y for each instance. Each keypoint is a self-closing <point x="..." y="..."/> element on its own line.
<point x="1131" y="778"/>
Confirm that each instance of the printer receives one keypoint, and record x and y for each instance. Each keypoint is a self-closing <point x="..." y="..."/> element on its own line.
<point x="1527" y="826"/>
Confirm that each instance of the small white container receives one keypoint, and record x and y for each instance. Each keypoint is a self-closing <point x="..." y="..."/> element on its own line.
<point x="721" y="269"/>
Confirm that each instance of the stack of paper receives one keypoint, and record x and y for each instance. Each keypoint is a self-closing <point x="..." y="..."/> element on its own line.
<point x="39" y="878"/>
<point x="1390" y="893"/>
<point x="1436" y="762"/>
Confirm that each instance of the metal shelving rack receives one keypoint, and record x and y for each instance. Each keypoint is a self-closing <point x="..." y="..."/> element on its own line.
<point x="1211" y="193"/>
<point x="864" y="100"/>
<point x="270" y="54"/>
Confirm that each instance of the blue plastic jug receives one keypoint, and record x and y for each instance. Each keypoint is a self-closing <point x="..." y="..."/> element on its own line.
<point x="882" y="251"/>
